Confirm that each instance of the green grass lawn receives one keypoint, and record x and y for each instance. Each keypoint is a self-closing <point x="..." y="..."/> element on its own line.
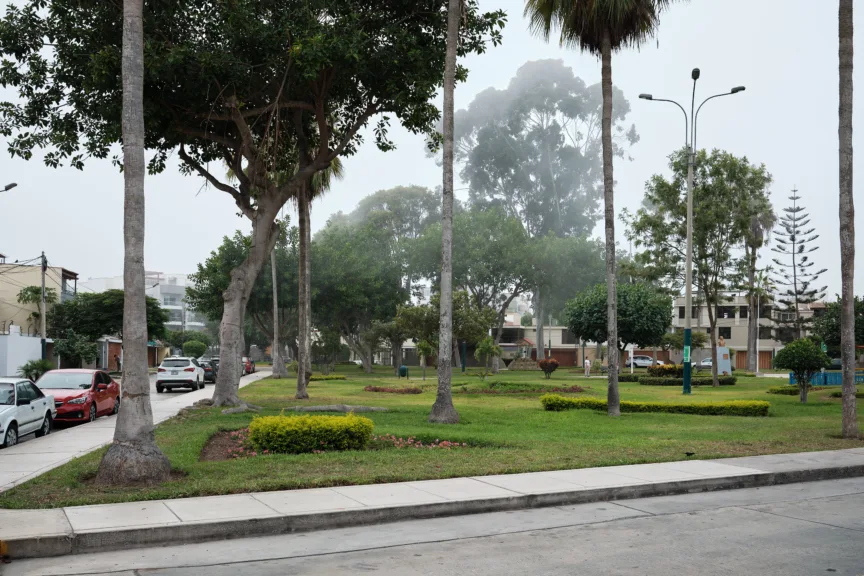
<point x="508" y="433"/>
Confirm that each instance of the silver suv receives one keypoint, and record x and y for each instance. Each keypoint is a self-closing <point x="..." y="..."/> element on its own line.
<point x="179" y="372"/>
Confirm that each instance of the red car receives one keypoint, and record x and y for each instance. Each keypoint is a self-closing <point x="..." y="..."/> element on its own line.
<point x="81" y="395"/>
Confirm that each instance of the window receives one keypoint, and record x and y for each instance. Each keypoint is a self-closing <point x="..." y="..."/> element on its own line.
<point x="175" y="363"/>
<point x="175" y="316"/>
<point x="681" y="311"/>
<point x="742" y="311"/>
<point x="724" y="332"/>
<point x="24" y="392"/>
<point x="171" y="300"/>
<point x="35" y="393"/>
<point x="694" y="312"/>
<point x="765" y="312"/>
<point x="103" y="378"/>
<point x="766" y="333"/>
<point x="725" y="312"/>
<point x="567" y="337"/>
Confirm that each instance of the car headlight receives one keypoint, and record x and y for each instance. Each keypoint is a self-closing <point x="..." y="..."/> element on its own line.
<point x="81" y="400"/>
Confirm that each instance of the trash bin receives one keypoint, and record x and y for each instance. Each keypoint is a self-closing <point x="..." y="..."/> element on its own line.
<point x="403" y="371"/>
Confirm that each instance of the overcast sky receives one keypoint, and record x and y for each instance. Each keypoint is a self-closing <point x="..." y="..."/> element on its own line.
<point x="783" y="51"/>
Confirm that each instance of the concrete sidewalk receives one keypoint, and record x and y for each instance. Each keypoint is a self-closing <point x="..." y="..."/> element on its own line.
<point x="32" y="458"/>
<point x="73" y="530"/>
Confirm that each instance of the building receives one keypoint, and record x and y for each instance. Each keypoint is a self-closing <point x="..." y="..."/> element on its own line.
<point x="732" y="322"/>
<point x="14" y="277"/>
<point x="168" y="289"/>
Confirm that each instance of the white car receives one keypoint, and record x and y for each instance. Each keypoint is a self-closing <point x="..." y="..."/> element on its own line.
<point x="642" y="362"/>
<point x="179" y="372"/>
<point x="23" y="409"/>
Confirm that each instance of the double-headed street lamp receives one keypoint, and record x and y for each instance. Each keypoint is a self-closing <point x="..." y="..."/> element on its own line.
<point x="690" y="145"/>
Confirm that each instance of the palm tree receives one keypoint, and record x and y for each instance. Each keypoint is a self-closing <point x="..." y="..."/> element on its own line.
<point x="133" y="456"/>
<point x="762" y="220"/>
<point x="847" y="222"/>
<point x="313" y="188"/>
<point x="443" y="410"/>
<point x="601" y="27"/>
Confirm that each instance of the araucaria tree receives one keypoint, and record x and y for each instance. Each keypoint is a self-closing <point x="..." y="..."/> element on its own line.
<point x="268" y="87"/>
<point x="794" y="274"/>
<point x="726" y="189"/>
<point x="601" y="27"/>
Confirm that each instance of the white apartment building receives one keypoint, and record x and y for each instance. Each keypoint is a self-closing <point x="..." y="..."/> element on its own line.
<point x="168" y="289"/>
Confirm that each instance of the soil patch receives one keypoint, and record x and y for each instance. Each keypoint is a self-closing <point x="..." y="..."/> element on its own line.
<point x="221" y="446"/>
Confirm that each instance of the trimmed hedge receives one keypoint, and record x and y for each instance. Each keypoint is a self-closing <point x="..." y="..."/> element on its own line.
<point x="629" y="377"/>
<point x="792" y="390"/>
<point x="556" y="403"/>
<point x="666" y="371"/>
<point x="405" y="390"/>
<point x="325" y="377"/>
<point x="839" y="394"/>
<point x="650" y="381"/>
<point x="304" y="434"/>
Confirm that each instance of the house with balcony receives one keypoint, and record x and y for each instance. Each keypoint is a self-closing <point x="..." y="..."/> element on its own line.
<point x="14" y="277"/>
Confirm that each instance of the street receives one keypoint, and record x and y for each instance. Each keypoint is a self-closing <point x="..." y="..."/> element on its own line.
<point x="811" y="528"/>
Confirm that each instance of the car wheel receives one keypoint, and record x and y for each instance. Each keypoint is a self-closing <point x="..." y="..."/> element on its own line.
<point x="92" y="412"/>
<point x="116" y="406"/>
<point x="11" y="438"/>
<point x="45" y="429"/>
<point x="159" y="389"/>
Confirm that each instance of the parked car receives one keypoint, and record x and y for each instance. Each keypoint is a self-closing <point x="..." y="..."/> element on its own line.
<point x="642" y="362"/>
<point x="179" y="372"/>
<point x="209" y="371"/>
<point x="24" y="409"/>
<point x="81" y="395"/>
<point x="248" y="365"/>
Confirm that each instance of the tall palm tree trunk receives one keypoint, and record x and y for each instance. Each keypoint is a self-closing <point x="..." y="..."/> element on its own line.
<point x="133" y="456"/>
<point x="304" y="301"/>
<point x="443" y="410"/>
<point x="613" y="400"/>
<point x="752" y="320"/>
<point x="279" y="369"/>
<point x="847" y="222"/>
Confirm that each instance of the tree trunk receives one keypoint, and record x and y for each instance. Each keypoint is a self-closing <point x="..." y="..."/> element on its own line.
<point x="613" y="400"/>
<point x="496" y="361"/>
<point x="541" y="347"/>
<point x="133" y="456"/>
<point x="304" y="305"/>
<point x="653" y="349"/>
<point x="712" y="322"/>
<point x="752" y="321"/>
<point x="279" y="369"/>
<point x="847" y="223"/>
<point x="396" y="350"/>
<point x="443" y="410"/>
<point x="802" y="389"/>
<point x="457" y="357"/>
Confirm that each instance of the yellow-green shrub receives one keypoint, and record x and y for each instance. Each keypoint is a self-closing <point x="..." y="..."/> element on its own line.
<point x="302" y="434"/>
<point x="325" y="377"/>
<point x="557" y="403"/>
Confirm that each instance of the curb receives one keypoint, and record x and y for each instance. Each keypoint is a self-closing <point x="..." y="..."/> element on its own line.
<point x="119" y="539"/>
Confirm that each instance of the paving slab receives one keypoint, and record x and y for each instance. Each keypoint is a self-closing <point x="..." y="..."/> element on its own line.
<point x="27" y="523"/>
<point x="290" y="502"/>
<point x="462" y="489"/>
<point x="387" y="494"/>
<point x="219" y="508"/>
<point x="654" y="473"/>
<point x="532" y="483"/>
<point x="708" y="468"/>
<point x="110" y="516"/>
<point x="593" y="477"/>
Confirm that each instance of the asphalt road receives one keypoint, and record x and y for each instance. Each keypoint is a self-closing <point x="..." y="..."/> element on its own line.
<point x="796" y="529"/>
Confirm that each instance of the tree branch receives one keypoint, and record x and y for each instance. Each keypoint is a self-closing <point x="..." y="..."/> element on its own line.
<point x="243" y="202"/>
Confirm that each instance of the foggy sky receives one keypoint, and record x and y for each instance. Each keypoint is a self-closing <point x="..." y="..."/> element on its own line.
<point x="783" y="51"/>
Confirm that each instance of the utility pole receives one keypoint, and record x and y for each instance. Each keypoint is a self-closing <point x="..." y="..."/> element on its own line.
<point x="42" y="309"/>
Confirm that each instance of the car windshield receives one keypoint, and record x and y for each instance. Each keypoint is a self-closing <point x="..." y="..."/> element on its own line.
<point x="65" y="381"/>
<point x="7" y="394"/>
<point x="175" y="363"/>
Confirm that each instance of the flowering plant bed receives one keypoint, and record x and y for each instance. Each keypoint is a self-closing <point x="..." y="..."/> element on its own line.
<point x="389" y="440"/>
<point x="405" y="390"/>
<point x="520" y="390"/>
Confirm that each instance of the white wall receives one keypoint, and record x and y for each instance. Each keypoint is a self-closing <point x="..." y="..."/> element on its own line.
<point x="16" y="350"/>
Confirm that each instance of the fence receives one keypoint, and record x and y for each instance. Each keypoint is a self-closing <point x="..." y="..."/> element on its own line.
<point x="829" y="378"/>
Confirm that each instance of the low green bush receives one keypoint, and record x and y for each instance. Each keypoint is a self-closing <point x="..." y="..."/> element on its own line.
<point x="791" y="390"/>
<point x="293" y="366"/>
<point x="556" y="403"/>
<point x="839" y="394"/>
<point x="304" y="434"/>
<point x="666" y="371"/>
<point x="325" y="377"/>
<point x="701" y="381"/>
<point x="389" y="390"/>
<point x="629" y="377"/>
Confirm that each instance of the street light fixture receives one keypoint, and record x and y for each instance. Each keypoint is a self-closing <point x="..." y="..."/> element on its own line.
<point x="690" y="145"/>
<point x="9" y="187"/>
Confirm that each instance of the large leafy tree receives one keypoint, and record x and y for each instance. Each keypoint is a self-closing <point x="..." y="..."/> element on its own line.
<point x="847" y="217"/>
<point x="804" y="359"/>
<point x="213" y="277"/>
<point x="533" y="150"/>
<point x="356" y="285"/>
<point x="601" y="27"/>
<point x="267" y="86"/>
<point x="795" y="273"/>
<point x="828" y="326"/>
<point x="96" y="314"/>
<point x="725" y="189"/>
<point x="643" y="315"/>
<point x="33" y="295"/>
<point x="470" y="323"/>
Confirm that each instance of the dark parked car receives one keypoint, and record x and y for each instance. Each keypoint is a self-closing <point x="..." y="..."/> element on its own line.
<point x="209" y="371"/>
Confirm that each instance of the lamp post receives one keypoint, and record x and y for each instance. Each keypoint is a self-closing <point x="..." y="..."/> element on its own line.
<point x="690" y="145"/>
<point x="9" y="187"/>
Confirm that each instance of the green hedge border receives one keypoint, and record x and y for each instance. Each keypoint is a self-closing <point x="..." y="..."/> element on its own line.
<point x="656" y="381"/>
<point x="557" y="403"/>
